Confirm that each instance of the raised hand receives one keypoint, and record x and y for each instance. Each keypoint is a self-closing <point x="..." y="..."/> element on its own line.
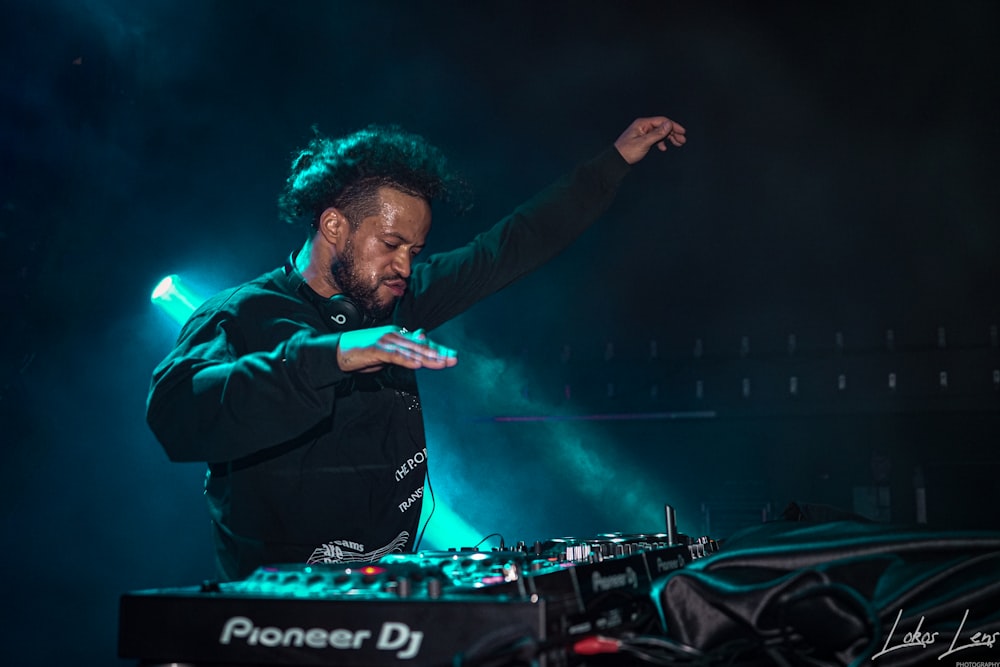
<point x="644" y="133"/>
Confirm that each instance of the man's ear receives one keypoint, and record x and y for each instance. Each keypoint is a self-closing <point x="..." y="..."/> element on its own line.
<point x="332" y="226"/>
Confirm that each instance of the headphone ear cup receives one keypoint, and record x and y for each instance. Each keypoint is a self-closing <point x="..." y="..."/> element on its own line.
<point x="342" y="314"/>
<point x="339" y="311"/>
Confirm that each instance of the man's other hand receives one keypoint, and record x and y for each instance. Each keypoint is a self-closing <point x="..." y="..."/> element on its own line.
<point x="644" y="133"/>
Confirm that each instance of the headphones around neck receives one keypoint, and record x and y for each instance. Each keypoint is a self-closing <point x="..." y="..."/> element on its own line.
<point x="339" y="311"/>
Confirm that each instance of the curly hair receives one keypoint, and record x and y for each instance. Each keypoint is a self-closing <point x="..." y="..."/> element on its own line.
<point x="346" y="173"/>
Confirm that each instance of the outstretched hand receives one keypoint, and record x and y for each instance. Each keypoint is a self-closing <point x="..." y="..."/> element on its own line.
<point x="369" y="350"/>
<point x="644" y="133"/>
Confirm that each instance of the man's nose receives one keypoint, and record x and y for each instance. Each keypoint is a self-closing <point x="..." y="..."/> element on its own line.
<point x="401" y="264"/>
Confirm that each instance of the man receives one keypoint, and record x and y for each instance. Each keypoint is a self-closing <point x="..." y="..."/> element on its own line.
<point x="299" y="388"/>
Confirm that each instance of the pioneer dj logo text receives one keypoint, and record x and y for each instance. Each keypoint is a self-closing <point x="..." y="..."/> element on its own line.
<point x="392" y="636"/>
<point x="668" y="565"/>
<point x="627" y="579"/>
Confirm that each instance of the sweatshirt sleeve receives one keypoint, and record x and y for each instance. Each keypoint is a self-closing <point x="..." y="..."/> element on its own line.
<point x="215" y="398"/>
<point x="449" y="283"/>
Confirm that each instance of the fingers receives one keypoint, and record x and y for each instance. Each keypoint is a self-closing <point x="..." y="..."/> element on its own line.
<point x="415" y="350"/>
<point x="670" y="131"/>
<point x="367" y="350"/>
<point x="644" y="133"/>
<point x="676" y="134"/>
<point x="676" y="128"/>
<point x="647" y="123"/>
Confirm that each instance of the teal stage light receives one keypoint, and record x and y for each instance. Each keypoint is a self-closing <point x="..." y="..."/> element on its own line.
<point x="176" y="298"/>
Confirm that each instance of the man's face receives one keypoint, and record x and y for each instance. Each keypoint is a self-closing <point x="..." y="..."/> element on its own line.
<point x="372" y="264"/>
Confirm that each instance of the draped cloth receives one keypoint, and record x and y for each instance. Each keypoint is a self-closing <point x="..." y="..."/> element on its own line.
<point x="839" y="593"/>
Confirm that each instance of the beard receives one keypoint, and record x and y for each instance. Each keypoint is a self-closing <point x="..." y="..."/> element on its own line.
<point x="344" y="271"/>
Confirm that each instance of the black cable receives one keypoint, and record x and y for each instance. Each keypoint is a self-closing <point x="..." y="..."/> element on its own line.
<point x="420" y="538"/>
<point x="488" y="537"/>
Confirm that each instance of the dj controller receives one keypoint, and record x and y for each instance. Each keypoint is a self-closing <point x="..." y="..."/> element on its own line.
<point x="522" y="605"/>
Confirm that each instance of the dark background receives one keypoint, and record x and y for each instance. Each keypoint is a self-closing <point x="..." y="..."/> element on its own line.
<point x="833" y="218"/>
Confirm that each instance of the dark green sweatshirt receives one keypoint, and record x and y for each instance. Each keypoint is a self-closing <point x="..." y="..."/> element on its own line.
<point x="308" y="463"/>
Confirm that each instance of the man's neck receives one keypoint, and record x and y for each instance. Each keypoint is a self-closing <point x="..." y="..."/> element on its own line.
<point x="313" y="262"/>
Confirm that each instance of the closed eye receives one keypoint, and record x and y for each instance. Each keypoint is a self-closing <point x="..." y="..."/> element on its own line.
<point x="395" y="246"/>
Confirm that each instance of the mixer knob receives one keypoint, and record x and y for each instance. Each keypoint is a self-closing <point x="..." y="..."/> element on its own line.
<point x="403" y="587"/>
<point x="434" y="588"/>
<point x="210" y="586"/>
<point x="709" y="545"/>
